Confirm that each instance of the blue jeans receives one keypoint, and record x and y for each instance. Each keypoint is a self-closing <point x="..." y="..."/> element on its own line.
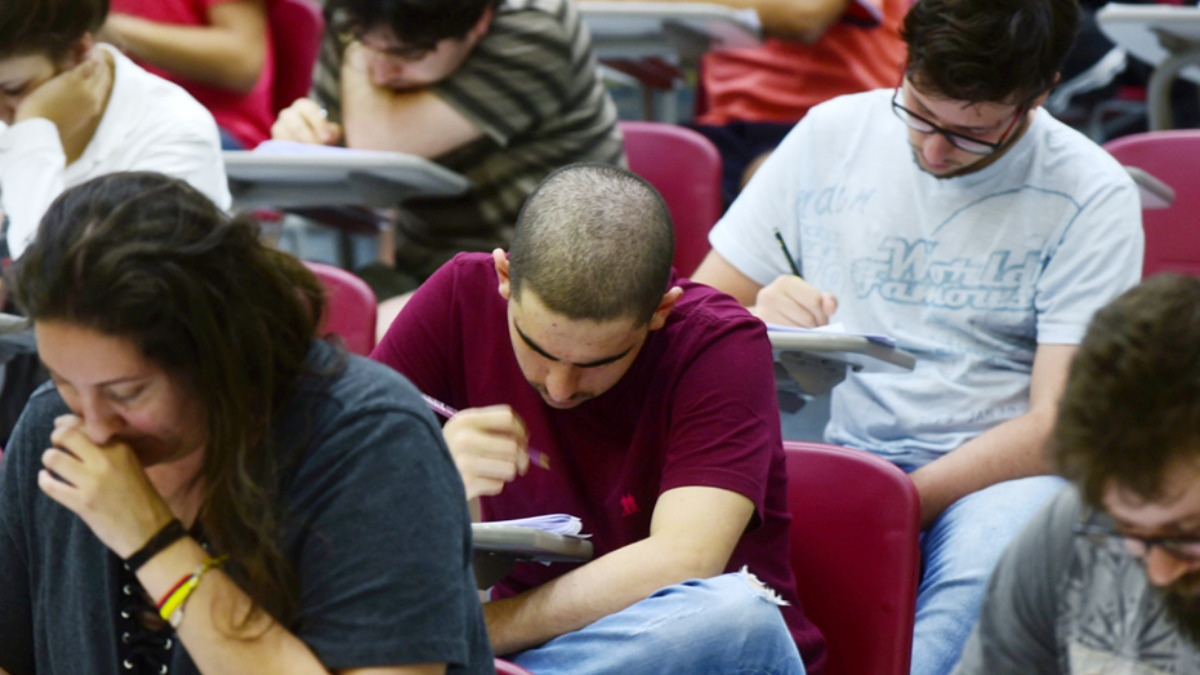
<point x="959" y="552"/>
<point x="722" y="625"/>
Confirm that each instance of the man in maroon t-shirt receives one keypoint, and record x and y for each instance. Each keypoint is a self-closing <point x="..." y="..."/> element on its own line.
<point x="653" y="399"/>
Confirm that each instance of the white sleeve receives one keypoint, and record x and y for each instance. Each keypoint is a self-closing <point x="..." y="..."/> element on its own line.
<point x="1098" y="257"/>
<point x="32" y="163"/>
<point x="190" y="151"/>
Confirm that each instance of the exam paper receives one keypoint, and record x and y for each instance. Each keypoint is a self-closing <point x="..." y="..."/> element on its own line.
<point x="834" y="329"/>
<point x="558" y="523"/>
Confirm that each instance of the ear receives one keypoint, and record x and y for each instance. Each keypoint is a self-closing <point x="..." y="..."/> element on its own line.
<point x="501" y="260"/>
<point x="1040" y="100"/>
<point x="659" y="318"/>
<point x="79" y="52"/>
<point x="481" y="27"/>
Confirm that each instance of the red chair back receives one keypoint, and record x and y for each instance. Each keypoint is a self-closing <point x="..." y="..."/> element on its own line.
<point x="855" y="523"/>
<point x="296" y="28"/>
<point x="685" y="168"/>
<point x="350" y="309"/>
<point x="1173" y="233"/>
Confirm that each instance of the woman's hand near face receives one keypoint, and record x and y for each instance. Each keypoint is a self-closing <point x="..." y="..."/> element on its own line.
<point x="104" y="485"/>
<point x="73" y="98"/>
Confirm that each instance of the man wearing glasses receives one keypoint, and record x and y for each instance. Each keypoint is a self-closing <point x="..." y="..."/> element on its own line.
<point x="1106" y="579"/>
<point x="955" y="215"/>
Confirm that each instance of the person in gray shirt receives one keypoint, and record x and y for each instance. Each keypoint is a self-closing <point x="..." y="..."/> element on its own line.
<point x="1106" y="579"/>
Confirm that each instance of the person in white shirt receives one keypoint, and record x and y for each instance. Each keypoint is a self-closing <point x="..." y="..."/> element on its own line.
<point x="74" y="109"/>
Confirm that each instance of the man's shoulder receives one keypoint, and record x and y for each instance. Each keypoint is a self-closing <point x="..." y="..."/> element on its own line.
<point x="844" y="124"/>
<point x="850" y="107"/>
<point x="705" y="313"/>
<point x="1067" y="154"/>
<point x="467" y="268"/>
<point x="136" y="89"/>
<point x="514" y="12"/>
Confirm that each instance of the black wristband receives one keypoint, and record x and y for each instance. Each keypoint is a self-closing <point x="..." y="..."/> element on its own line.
<point x="169" y="534"/>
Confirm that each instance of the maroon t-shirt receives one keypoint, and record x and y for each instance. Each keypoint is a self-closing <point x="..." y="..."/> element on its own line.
<point x="697" y="407"/>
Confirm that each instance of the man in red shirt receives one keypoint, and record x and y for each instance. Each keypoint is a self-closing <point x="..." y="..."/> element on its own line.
<point x="653" y="399"/>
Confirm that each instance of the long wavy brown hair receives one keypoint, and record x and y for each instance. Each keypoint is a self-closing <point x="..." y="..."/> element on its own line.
<point x="147" y="258"/>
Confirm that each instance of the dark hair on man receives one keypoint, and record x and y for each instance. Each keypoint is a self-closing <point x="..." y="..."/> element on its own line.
<point x="594" y="241"/>
<point x="1132" y="402"/>
<point x="989" y="51"/>
<point x="417" y="24"/>
<point x="47" y="27"/>
<point x="147" y="258"/>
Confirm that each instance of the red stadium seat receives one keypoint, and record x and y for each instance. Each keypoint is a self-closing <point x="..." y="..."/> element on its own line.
<point x="855" y="524"/>
<point x="351" y="309"/>
<point x="1172" y="234"/>
<point x="685" y="168"/>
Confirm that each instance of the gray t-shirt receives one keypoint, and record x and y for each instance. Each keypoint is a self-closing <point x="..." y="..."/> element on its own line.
<point x="1058" y="603"/>
<point x="375" y="527"/>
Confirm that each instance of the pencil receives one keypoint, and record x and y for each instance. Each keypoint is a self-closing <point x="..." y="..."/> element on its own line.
<point x="787" y="254"/>
<point x="538" y="457"/>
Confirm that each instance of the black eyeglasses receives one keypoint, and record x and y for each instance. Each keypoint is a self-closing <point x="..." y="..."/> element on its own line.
<point x="969" y="144"/>
<point x="1103" y="535"/>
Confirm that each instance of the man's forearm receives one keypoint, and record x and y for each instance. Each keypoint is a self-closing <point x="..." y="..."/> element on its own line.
<point x="604" y="586"/>
<point x="416" y="121"/>
<point x="1014" y="449"/>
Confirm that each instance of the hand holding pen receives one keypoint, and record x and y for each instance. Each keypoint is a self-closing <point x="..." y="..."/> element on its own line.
<point x="790" y="300"/>
<point x="489" y="445"/>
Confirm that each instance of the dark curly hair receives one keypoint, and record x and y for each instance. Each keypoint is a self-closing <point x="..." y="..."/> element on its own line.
<point x="1131" y="407"/>
<point x="989" y="51"/>
<point x="418" y="24"/>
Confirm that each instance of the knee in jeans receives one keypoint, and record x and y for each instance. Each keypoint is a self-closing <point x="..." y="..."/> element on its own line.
<point x="740" y="602"/>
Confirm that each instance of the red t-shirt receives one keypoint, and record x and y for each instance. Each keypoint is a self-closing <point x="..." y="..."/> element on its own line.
<point x="247" y="116"/>
<point x="781" y="80"/>
<point x="696" y="407"/>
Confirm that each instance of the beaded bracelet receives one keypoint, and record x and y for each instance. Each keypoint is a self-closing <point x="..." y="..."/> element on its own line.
<point x="170" y="608"/>
<point x="169" y="534"/>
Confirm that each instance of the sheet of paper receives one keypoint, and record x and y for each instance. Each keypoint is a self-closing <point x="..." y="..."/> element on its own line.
<point x="833" y="328"/>
<point x="558" y="523"/>
<point x="293" y="148"/>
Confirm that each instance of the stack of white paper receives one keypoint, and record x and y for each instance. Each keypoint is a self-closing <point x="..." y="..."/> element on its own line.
<point x="558" y="523"/>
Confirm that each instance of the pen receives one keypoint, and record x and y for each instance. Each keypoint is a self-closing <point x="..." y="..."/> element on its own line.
<point x="538" y="457"/>
<point x="787" y="254"/>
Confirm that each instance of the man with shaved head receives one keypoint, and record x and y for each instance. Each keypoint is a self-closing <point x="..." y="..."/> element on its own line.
<point x="652" y="399"/>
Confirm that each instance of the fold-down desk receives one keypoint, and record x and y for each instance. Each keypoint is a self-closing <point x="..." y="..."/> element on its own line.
<point x="498" y="547"/>
<point x="334" y="177"/>
<point x="818" y="361"/>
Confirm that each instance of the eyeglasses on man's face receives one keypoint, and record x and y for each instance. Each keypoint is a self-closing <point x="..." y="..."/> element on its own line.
<point x="1105" y="536"/>
<point x="975" y="146"/>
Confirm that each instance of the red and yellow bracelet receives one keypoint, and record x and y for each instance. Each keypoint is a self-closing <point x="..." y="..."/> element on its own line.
<point x="170" y="608"/>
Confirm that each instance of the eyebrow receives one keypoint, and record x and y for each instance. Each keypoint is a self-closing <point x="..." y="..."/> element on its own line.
<point x="107" y="383"/>
<point x="926" y="111"/>
<point x="590" y="364"/>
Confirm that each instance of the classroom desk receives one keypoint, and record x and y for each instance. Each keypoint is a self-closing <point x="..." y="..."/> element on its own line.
<point x="1165" y="36"/>
<point x="358" y="178"/>
<point x="636" y="30"/>
<point x="498" y="548"/>
<point x="818" y="361"/>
